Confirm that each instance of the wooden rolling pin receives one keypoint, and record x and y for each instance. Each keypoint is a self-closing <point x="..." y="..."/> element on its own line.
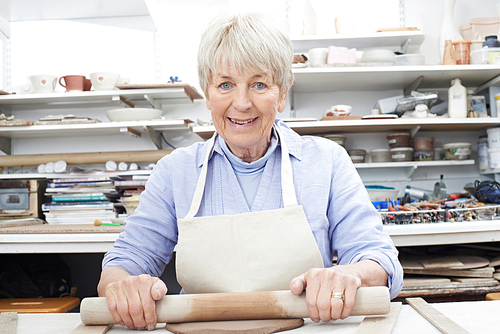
<point x="236" y="306"/>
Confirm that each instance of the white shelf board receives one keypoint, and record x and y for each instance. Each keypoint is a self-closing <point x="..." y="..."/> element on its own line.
<point x="38" y="176"/>
<point x="372" y="78"/>
<point x="381" y="125"/>
<point x="91" y="128"/>
<point x="391" y="40"/>
<point x="402" y="235"/>
<point x="57" y="243"/>
<point x="444" y="233"/>
<point x="415" y="164"/>
<point x="95" y="11"/>
<point x="104" y="98"/>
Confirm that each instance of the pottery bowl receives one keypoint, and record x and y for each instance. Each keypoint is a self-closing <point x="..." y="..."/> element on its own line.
<point x="133" y="114"/>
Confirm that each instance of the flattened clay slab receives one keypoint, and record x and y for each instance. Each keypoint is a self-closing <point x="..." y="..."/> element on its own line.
<point x="238" y="326"/>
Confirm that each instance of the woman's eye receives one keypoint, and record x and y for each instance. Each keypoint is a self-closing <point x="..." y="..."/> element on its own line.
<point x="225" y="85"/>
<point x="260" y="85"/>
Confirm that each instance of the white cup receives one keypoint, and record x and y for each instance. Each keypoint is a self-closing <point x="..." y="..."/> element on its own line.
<point x="318" y="56"/>
<point x="103" y="80"/>
<point x="43" y="83"/>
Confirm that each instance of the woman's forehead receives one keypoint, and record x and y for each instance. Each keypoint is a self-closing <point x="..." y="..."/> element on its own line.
<point x="231" y="71"/>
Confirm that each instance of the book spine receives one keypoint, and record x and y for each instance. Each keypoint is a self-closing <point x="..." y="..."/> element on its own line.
<point x="78" y="198"/>
<point x="85" y="179"/>
<point x="79" y="184"/>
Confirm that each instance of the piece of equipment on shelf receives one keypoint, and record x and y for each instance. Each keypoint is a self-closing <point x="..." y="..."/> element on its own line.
<point x="18" y="199"/>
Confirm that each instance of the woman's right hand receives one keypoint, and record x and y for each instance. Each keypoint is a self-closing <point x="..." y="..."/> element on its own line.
<point x="131" y="300"/>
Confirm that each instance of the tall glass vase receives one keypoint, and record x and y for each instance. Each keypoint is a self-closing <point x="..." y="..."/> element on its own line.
<point x="449" y="31"/>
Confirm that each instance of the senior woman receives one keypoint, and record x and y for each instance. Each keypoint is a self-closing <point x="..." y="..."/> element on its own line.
<point x="257" y="207"/>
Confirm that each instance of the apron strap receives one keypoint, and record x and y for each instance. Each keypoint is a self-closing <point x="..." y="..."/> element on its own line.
<point x="288" y="190"/>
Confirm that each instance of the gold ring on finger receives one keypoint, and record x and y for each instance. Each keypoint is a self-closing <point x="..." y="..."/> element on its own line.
<point x="338" y="295"/>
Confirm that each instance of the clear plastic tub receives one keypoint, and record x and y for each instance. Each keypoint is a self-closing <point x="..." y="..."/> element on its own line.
<point x="457" y="151"/>
<point x="485" y="56"/>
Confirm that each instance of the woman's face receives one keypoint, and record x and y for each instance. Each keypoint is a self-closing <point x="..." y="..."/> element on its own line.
<point x="244" y="106"/>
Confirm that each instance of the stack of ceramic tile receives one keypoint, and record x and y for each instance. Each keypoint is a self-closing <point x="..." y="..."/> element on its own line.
<point x="448" y="272"/>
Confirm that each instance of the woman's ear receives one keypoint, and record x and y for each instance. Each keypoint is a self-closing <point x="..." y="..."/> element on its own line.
<point x="208" y="103"/>
<point x="282" y="104"/>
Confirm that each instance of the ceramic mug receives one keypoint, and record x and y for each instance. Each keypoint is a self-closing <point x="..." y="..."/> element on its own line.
<point x="73" y="83"/>
<point x="318" y="56"/>
<point x="43" y="83"/>
<point x="103" y="80"/>
<point x="87" y="85"/>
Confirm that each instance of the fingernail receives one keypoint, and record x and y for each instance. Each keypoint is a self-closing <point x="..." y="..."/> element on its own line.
<point x="151" y="327"/>
<point x="122" y="323"/>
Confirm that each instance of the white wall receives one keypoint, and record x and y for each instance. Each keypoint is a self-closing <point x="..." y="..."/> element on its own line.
<point x="65" y="47"/>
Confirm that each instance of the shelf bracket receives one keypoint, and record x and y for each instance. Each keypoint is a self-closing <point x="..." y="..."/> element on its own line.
<point x="5" y="145"/>
<point x="130" y="131"/>
<point x="409" y="172"/>
<point x="150" y="100"/>
<point x="414" y="131"/>
<point x="404" y="46"/>
<point x="122" y="101"/>
<point x="5" y="27"/>
<point x="154" y="135"/>
<point x="413" y="86"/>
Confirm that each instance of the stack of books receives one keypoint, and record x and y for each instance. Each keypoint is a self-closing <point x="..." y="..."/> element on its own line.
<point x="79" y="200"/>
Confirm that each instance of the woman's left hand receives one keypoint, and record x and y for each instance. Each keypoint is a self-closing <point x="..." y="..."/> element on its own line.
<point x="325" y="288"/>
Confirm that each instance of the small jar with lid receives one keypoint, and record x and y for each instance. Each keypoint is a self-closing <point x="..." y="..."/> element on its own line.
<point x="491" y="42"/>
<point x="357" y="156"/>
<point x="398" y="139"/>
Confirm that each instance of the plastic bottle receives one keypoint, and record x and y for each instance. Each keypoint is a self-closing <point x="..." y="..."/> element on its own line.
<point x="482" y="152"/>
<point x="457" y="100"/>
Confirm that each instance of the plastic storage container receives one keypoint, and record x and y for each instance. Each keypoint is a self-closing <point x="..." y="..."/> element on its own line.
<point x="398" y="139"/>
<point x="423" y="143"/>
<point x="380" y="155"/>
<point x="482" y="152"/>
<point x="493" y="137"/>
<point x="494" y="158"/>
<point x="457" y="151"/>
<point x="339" y="139"/>
<point x="357" y="156"/>
<point x="399" y="154"/>
<point x="485" y="56"/>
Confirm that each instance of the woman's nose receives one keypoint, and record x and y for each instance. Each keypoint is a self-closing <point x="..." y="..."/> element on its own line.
<point x="241" y="101"/>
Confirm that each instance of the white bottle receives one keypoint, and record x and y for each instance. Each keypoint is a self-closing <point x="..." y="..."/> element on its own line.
<point x="457" y="100"/>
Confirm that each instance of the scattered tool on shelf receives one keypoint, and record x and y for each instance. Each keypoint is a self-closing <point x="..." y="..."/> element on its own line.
<point x="97" y="222"/>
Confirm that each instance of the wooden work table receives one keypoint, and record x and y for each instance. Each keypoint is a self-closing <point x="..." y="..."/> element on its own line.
<point x="475" y="317"/>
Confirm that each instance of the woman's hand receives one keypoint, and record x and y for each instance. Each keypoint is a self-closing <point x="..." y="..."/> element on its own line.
<point x="131" y="300"/>
<point x="323" y="284"/>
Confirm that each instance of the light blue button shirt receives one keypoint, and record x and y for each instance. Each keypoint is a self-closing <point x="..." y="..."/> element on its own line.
<point x="343" y="220"/>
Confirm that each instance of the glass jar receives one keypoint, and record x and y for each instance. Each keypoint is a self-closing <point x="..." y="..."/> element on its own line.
<point x="482" y="152"/>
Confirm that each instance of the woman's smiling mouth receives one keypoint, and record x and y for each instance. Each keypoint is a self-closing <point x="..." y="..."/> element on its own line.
<point x="242" y="122"/>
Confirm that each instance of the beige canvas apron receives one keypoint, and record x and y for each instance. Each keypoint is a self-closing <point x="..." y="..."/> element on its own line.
<point x="254" y="251"/>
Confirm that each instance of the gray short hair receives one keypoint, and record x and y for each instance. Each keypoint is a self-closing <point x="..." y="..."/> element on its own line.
<point x="247" y="42"/>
